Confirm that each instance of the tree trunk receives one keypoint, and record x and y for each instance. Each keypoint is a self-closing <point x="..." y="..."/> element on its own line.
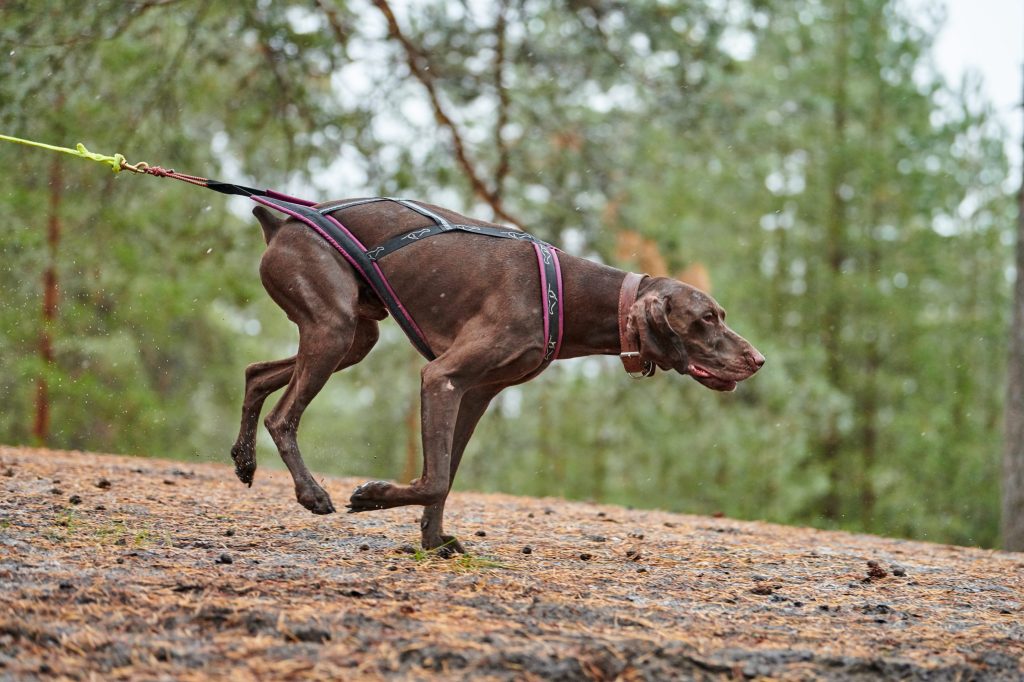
<point x="1013" y="448"/>
<point x="832" y="319"/>
<point x="41" y="423"/>
<point x="879" y="164"/>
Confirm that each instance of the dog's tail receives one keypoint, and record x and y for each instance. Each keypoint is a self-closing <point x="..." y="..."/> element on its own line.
<point x="268" y="221"/>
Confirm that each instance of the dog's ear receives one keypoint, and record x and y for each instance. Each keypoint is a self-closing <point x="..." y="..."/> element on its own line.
<point x="268" y="221"/>
<point x="658" y="342"/>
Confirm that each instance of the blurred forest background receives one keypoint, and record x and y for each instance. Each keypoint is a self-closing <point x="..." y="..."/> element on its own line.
<point x="801" y="158"/>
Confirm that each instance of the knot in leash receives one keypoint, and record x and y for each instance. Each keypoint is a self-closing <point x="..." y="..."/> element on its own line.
<point x="116" y="162"/>
<point x="143" y="167"/>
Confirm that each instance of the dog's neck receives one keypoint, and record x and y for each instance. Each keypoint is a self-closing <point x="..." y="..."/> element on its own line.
<point x="591" y="307"/>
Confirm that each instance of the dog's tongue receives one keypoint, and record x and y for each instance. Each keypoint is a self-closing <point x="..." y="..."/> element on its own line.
<point x="698" y="371"/>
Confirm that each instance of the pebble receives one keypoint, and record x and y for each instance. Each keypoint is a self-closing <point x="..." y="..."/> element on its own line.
<point x="225" y="559"/>
<point x="229" y="532"/>
<point x="364" y="547"/>
<point x="527" y="550"/>
<point x="585" y="556"/>
<point x="875" y="571"/>
<point x="75" y="499"/>
<point x="103" y="483"/>
<point x="899" y="571"/>
<point x="480" y="533"/>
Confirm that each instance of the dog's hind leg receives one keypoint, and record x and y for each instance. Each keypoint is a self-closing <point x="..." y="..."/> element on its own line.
<point x="321" y="347"/>
<point x="263" y="378"/>
<point x="321" y="295"/>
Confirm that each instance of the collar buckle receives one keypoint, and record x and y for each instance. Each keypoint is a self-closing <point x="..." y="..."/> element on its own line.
<point x="629" y="359"/>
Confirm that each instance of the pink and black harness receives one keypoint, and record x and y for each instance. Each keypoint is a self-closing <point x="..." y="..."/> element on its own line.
<point x="366" y="261"/>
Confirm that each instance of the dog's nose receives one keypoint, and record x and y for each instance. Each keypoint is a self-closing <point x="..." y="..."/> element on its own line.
<point x="756" y="359"/>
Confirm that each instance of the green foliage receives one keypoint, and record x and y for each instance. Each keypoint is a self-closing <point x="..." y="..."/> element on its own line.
<point x="845" y="200"/>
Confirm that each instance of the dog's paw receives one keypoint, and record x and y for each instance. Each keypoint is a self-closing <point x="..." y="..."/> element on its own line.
<point x="315" y="499"/>
<point x="368" y="497"/>
<point x="445" y="546"/>
<point x="245" y="463"/>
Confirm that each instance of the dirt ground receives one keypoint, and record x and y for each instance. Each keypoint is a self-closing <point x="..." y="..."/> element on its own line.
<point x="132" y="568"/>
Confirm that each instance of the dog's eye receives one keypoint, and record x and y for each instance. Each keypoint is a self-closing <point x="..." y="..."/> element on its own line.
<point x="709" y="317"/>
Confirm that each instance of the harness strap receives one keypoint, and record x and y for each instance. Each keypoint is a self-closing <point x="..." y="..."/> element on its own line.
<point x="413" y="236"/>
<point x="551" y="289"/>
<point x="629" y="352"/>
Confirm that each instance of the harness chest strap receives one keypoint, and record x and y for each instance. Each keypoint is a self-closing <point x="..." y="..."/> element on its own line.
<point x="629" y="352"/>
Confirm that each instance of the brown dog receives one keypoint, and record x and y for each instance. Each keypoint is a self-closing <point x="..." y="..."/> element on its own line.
<point x="475" y="299"/>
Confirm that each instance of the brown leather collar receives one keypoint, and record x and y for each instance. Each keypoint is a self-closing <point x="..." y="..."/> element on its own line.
<point x="629" y="353"/>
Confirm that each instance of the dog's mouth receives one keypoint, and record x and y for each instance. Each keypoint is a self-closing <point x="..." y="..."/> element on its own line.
<point x="708" y="378"/>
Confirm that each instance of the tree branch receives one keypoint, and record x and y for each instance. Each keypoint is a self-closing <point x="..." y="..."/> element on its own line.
<point x="421" y="73"/>
<point x="501" y="172"/>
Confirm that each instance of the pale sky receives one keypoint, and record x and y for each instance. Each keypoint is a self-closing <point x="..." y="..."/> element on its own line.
<point x="987" y="36"/>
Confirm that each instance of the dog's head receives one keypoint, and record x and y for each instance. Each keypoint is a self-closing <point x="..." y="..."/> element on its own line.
<point x="682" y="328"/>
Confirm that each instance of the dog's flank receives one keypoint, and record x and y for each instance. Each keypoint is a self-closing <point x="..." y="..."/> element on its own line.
<point x="476" y="301"/>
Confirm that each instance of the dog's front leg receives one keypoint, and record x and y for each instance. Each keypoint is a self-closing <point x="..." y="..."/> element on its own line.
<point x="440" y="397"/>
<point x="474" y="404"/>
